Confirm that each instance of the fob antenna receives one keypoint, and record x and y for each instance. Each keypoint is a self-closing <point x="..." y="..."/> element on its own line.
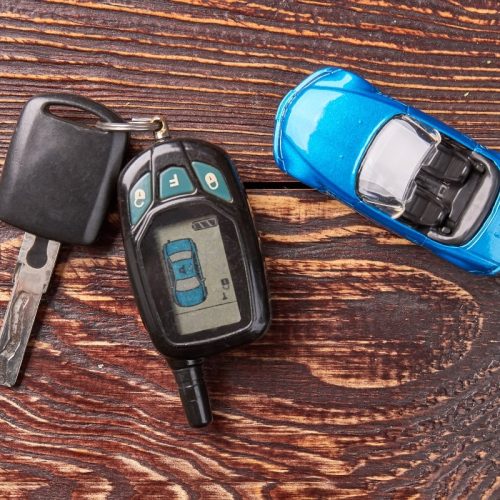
<point x="192" y="390"/>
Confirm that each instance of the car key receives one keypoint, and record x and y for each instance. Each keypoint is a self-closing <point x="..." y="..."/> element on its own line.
<point x="193" y="257"/>
<point x="56" y="185"/>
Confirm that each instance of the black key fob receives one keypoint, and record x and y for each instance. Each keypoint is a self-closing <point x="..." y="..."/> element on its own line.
<point x="59" y="175"/>
<point x="194" y="258"/>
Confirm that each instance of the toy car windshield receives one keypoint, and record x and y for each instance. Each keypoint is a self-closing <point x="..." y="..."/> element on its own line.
<point x="387" y="175"/>
<point x="427" y="180"/>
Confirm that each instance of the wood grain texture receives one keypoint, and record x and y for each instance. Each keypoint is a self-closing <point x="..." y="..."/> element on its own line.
<point x="379" y="375"/>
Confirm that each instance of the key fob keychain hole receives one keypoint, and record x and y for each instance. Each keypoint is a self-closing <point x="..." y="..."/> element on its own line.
<point x="72" y="114"/>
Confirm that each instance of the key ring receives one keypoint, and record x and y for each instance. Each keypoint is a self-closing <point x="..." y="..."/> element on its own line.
<point x="156" y="124"/>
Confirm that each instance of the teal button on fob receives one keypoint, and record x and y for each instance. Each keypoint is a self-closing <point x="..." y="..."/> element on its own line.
<point x="212" y="180"/>
<point x="174" y="181"/>
<point x="140" y="198"/>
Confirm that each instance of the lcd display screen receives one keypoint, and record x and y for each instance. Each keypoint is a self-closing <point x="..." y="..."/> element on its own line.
<point x="198" y="275"/>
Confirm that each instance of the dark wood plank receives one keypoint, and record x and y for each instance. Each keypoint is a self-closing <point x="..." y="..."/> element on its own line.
<point x="220" y="68"/>
<point x="379" y="376"/>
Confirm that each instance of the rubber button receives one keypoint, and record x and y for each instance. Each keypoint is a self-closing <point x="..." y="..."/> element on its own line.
<point x="140" y="198"/>
<point x="175" y="181"/>
<point x="212" y="180"/>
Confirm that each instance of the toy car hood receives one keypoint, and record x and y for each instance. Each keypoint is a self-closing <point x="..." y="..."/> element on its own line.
<point x="324" y="126"/>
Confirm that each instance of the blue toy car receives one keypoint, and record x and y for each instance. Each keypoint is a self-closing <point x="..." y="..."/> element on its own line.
<point x="394" y="164"/>
<point x="186" y="277"/>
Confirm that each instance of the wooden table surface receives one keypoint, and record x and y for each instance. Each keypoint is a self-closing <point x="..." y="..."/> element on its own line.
<point x="379" y="375"/>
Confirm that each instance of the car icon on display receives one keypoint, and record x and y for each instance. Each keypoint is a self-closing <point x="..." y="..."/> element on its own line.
<point x="394" y="164"/>
<point x="186" y="277"/>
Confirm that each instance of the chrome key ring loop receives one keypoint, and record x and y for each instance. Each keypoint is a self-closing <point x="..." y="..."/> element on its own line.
<point x="156" y="124"/>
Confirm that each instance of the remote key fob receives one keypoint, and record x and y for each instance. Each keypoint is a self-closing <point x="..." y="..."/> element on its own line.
<point x="194" y="259"/>
<point x="394" y="164"/>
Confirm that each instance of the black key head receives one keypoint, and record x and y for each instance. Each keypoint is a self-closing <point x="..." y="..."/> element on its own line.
<point x="59" y="175"/>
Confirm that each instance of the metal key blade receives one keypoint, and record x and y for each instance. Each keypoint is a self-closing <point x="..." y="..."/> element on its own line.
<point x="36" y="261"/>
